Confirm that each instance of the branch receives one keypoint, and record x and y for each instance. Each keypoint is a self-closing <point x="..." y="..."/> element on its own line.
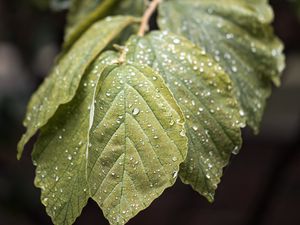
<point x="146" y="17"/>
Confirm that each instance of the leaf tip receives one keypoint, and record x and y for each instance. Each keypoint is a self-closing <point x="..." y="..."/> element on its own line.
<point x="20" y="148"/>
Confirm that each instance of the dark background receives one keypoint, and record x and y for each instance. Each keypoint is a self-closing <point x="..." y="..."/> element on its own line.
<point x="261" y="186"/>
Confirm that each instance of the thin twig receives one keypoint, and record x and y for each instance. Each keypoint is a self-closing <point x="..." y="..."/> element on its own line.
<point x="146" y="17"/>
<point x="123" y="51"/>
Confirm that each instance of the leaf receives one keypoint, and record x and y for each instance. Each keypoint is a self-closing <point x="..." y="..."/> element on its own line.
<point x="137" y="141"/>
<point x="80" y="9"/>
<point x="237" y="33"/>
<point x="203" y="92"/>
<point x="60" y="87"/>
<point x="130" y="7"/>
<point x="295" y="4"/>
<point x="83" y="13"/>
<point x="60" y="152"/>
<point x="113" y="142"/>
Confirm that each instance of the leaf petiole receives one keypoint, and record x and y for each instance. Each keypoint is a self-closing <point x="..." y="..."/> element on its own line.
<point x="146" y="17"/>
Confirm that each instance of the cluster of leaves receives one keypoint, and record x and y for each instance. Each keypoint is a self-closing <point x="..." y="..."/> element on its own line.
<point x="119" y="126"/>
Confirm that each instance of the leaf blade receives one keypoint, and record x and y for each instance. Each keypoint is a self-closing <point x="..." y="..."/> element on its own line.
<point x="68" y="146"/>
<point x="84" y="13"/>
<point x="236" y="33"/>
<point x="60" y="152"/>
<point x="203" y="92"/>
<point x="60" y="86"/>
<point x="133" y="158"/>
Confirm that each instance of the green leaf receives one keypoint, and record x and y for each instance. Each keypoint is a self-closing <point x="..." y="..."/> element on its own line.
<point x="204" y="93"/>
<point x="237" y="33"/>
<point x="137" y="141"/>
<point x="79" y="9"/>
<point x="130" y="7"/>
<point x="60" y="87"/>
<point x="83" y="13"/>
<point x="60" y="152"/>
<point x="120" y="141"/>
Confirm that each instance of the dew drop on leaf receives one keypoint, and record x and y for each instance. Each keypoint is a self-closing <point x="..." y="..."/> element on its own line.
<point x="236" y="149"/>
<point x="135" y="111"/>
<point x="175" y="174"/>
<point x="182" y="133"/>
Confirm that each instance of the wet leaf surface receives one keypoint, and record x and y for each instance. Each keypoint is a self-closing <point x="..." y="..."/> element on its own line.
<point x="204" y="92"/>
<point x="113" y="142"/>
<point x="237" y="33"/>
<point x="62" y="83"/>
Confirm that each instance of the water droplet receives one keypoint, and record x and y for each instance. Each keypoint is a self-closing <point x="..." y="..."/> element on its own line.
<point x="175" y="174"/>
<point x="234" y="69"/>
<point x="135" y="111"/>
<point x="229" y="36"/>
<point x="176" y="41"/>
<point x="242" y="113"/>
<point x="182" y="133"/>
<point x="236" y="150"/>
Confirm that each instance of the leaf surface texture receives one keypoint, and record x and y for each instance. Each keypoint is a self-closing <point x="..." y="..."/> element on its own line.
<point x="137" y="142"/>
<point x="237" y="33"/>
<point x="204" y="92"/>
<point x="120" y="141"/>
<point x="62" y="83"/>
<point x="83" y="13"/>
